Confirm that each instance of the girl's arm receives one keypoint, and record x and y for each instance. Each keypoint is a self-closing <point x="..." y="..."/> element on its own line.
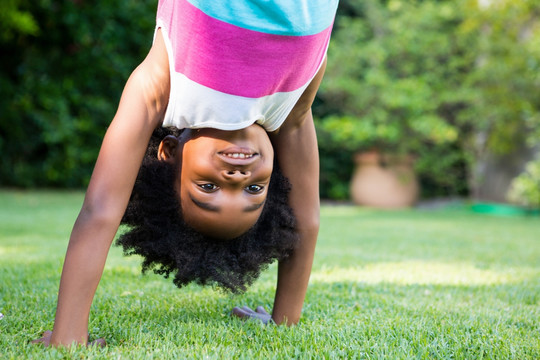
<point x="295" y="145"/>
<point x="140" y="111"/>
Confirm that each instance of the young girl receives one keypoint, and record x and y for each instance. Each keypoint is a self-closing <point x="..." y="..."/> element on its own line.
<point x="241" y="77"/>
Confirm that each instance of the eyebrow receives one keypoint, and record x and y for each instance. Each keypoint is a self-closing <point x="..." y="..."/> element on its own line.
<point x="214" y="208"/>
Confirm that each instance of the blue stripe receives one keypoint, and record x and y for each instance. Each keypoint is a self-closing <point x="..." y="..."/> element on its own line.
<point x="280" y="17"/>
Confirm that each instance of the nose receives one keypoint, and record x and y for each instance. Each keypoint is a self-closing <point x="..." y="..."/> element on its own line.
<point x="235" y="176"/>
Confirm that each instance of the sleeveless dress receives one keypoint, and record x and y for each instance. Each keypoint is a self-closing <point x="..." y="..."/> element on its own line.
<point x="238" y="62"/>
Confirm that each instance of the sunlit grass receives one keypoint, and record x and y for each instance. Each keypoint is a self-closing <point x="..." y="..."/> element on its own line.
<point x="424" y="273"/>
<point x="403" y="284"/>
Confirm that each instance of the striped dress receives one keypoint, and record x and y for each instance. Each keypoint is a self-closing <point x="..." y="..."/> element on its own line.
<point x="238" y="62"/>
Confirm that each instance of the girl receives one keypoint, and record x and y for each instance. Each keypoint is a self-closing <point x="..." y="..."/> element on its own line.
<point x="241" y="77"/>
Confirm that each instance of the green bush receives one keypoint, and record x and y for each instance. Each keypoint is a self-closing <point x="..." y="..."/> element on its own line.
<point x="525" y="189"/>
<point x="393" y="83"/>
<point x="445" y="80"/>
<point x="503" y="111"/>
<point x="61" y="82"/>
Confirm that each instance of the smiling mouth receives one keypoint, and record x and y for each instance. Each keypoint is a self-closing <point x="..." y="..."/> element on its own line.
<point x="238" y="154"/>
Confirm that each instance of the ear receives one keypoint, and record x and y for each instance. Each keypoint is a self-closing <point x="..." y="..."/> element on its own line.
<point x="168" y="148"/>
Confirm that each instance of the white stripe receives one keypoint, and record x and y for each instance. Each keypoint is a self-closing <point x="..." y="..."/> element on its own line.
<point x="193" y="106"/>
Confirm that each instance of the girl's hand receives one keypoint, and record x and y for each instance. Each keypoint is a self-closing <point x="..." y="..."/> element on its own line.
<point x="46" y="340"/>
<point x="246" y="313"/>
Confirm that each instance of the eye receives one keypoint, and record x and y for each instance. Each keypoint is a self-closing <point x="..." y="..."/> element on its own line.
<point x="208" y="187"/>
<point x="254" y="189"/>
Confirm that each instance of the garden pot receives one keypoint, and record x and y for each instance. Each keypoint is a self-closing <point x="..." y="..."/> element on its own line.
<point x="384" y="181"/>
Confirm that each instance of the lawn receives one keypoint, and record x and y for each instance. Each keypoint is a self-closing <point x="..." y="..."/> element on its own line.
<point x="427" y="284"/>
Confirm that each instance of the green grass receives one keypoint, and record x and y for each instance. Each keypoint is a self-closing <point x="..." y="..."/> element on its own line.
<point x="405" y="284"/>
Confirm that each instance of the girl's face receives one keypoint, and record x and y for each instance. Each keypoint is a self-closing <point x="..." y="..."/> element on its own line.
<point x="224" y="179"/>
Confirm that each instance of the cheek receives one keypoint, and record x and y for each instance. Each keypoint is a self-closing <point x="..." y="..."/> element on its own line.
<point x="192" y="165"/>
<point x="267" y="169"/>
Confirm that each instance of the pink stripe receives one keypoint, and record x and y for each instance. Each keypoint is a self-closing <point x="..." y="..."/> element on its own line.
<point x="239" y="61"/>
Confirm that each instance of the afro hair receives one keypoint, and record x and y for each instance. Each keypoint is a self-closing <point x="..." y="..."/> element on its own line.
<point x="157" y="231"/>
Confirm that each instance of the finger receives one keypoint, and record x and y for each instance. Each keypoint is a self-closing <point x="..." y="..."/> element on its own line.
<point x="241" y="313"/>
<point x="98" y="342"/>
<point x="44" y="338"/>
<point x="261" y="310"/>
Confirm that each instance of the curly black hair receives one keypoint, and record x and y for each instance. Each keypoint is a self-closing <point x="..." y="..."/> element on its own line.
<point x="157" y="231"/>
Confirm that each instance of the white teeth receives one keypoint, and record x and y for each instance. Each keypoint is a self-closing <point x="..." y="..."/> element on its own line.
<point x="239" y="155"/>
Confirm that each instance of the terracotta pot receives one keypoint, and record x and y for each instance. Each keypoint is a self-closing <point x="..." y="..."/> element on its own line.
<point x="384" y="181"/>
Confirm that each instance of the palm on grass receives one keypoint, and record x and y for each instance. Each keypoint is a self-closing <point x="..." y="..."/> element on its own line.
<point x="45" y="340"/>
<point x="245" y="312"/>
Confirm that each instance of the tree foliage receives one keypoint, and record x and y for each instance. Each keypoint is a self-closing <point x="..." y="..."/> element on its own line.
<point x="394" y="83"/>
<point x="15" y="21"/>
<point x="61" y="82"/>
<point x="448" y="81"/>
<point x="445" y="80"/>
<point x="525" y="189"/>
<point x="504" y="107"/>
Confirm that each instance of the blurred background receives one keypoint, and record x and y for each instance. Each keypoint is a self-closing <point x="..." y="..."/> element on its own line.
<point x="441" y="96"/>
